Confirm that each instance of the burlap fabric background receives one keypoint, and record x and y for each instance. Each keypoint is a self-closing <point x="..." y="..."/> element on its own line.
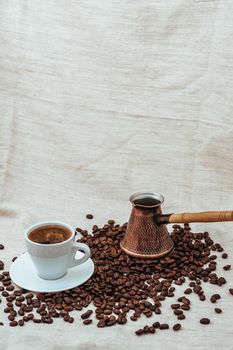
<point x="99" y="99"/>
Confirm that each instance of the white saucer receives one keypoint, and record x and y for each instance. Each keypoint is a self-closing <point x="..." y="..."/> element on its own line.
<point x="23" y="274"/>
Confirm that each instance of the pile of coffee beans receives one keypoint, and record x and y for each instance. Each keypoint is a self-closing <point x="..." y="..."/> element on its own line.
<point x="123" y="288"/>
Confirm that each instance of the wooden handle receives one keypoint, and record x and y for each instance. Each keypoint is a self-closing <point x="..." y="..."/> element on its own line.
<point x="208" y="216"/>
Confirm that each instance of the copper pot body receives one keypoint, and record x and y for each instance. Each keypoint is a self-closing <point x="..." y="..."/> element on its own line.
<point x="145" y="237"/>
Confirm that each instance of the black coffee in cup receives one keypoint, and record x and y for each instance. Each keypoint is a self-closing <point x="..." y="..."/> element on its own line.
<point x="51" y="234"/>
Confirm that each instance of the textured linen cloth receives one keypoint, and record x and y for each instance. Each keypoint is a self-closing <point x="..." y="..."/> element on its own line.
<point x="100" y="99"/>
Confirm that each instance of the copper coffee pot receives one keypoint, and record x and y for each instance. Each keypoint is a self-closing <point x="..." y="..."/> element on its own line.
<point x="147" y="235"/>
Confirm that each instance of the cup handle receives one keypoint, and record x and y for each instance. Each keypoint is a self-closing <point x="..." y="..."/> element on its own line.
<point x="77" y="247"/>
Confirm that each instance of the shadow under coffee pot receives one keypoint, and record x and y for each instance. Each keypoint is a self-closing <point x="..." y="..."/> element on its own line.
<point x="147" y="235"/>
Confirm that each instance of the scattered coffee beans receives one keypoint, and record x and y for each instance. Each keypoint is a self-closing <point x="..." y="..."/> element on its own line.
<point x="177" y="326"/>
<point x="139" y="332"/>
<point x="156" y="324"/>
<point x="164" y="326"/>
<point x="188" y="291"/>
<point x="217" y="310"/>
<point x="181" y="317"/>
<point x="86" y="315"/>
<point x="204" y="320"/>
<point x="89" y="216"/>
<point x="124" y="288"/>
<point x="213" y="299"/>
<point x="87" y="322"/>
<point x="21" y="323"/>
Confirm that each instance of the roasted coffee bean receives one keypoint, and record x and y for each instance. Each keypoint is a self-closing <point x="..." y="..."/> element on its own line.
<point x="94" y="228"/>
<point x="18" y="303"/>
<point x="146" y="329"/>
<point x="21" y="323"/>
<point x="13" y="313"/>
<point x="13" y="323"/>
<point x="204" y="320"/>
<point x="87" y="322"/>
<point x="21" y="312"/>
<point x="213" y="257"/>
<point x="101" y="324"/>
<point x="121" y="320"/>
<point x="217" y="310"/>
<point x="176" y="327"/>
<point x="175" y="306"/>
<point x="185" y="307"/>
<point x="20" y="298"/>
<point x="6" y="283"/>
<point x="18" y="292"/>
<point x="212" y="266"/>
<point x="7" y="309"/>
<point x="181" y="317"/>
<point x="224" y="255"/>
<point x="175" y="226"/>
<point x="49" y="320"/>
<point x="227" y="267"/>
<point x="221" y="281"/>
<point x="99" y="316"/>
<point x="178" y="312"/>
<point x="10" y="288"/>
<point x="78" y="229"/>
<point x="156" y="324"/>
<point x="107" y="312"/>
<point x="139" y="332"/>
<point x="197" y="289"/>
<point x="217" y="296"/>
<point x="11" y="317"/>
<point x="209" y="241"/>
<point x="111" y="322"/>
<point x="163" y="326"/>
<point x="188" y="291"/>
<point x="36" y="320"/>
<point x="213" y="299"/>
<point x="1" y="246"/>
<point x="133" y="318"/>
<point x="231" y="291"/>
<point x="1" y="324"/>
<point x="152" y="330"/>
<point x="89" y="216"/>
<point x="87" y="314"/>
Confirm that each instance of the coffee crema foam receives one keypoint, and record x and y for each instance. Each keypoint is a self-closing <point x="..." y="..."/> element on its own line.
<point x="50" y="234"/>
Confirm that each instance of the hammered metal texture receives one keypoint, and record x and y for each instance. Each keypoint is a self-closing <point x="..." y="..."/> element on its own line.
<point x="144" y="237"/>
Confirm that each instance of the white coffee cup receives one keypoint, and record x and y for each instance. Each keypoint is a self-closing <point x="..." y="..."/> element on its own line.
<point x="52" y="260"/>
